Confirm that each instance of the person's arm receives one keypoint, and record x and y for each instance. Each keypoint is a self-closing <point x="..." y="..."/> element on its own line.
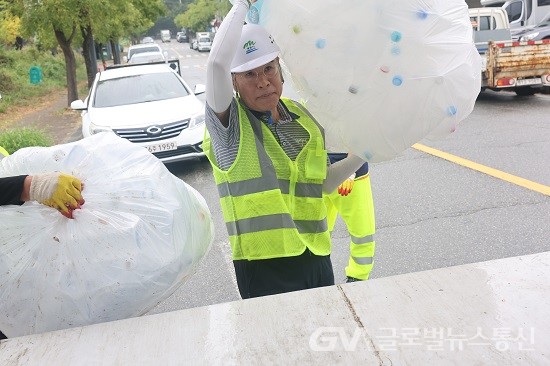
<point x="25" y="194"/>
<point x="57" y="190"/>
<point x="340" y="171"/>
<point x="12" y="190"/>
<point x="219" y="84"/>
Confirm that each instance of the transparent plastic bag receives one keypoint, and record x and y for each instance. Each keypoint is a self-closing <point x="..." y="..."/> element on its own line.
<point x="139" y="236"/>
<point x="378" y="75"/>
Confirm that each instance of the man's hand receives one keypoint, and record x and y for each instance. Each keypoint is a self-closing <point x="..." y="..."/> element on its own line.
<point x="345" y="188"/>
<point x="57" y="190"/>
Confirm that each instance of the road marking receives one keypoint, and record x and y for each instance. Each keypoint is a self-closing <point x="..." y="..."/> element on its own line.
<point x="537" y="187"/>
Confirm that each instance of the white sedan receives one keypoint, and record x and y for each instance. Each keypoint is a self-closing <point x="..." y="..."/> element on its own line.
<point x="150" y="105"/>
<point x="146" y="57"/>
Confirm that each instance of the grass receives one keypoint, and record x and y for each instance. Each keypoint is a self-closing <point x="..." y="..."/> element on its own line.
<point x="13" y="140"/>
<point x="15" y="86"/>
<point x="18" y="94"/>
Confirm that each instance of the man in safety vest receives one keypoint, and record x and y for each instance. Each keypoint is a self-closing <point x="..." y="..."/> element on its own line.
<point x="270" y="165"/>
<point x="353" y="201"/>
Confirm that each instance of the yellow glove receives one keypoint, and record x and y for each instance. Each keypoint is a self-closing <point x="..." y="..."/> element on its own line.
<point x="345" y="188"/>
<point x="57" y="190"/>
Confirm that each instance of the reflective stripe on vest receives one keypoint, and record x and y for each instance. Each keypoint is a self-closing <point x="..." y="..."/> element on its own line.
<point x="273" y="207"/>
<point x="363" y="240"/>
<point x="363" y="260"/>
<point x="271" y="222"/>
<point x="256" y="185"/>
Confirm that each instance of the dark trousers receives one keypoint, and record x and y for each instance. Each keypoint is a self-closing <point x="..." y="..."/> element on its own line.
<point x="274" y="276"/>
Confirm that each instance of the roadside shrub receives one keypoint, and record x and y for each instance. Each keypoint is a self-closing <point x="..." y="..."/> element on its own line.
<point x="6" y="59"/>
<point x="14" y="74"/>
<point x="7" y="84"/>
<point x="54" y="68"/>
<point x="13" y="140"/>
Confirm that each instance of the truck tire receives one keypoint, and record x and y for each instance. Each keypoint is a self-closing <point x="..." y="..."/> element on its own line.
<point x="524" y="91"/>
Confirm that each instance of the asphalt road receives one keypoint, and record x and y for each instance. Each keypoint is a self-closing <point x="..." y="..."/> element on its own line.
<point x="430" y="212"/>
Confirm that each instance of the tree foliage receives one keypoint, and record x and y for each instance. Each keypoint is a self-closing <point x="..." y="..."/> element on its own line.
<point x="200" y="13"/>
<point x="9" y="24"/>
<point x="68" y="22"/>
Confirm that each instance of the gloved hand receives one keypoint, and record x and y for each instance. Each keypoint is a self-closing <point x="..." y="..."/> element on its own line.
<point x="57" y="190"/>
<point x="345" y="188"/>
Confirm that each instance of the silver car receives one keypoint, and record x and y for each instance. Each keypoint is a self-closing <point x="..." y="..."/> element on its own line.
<point x="536" y="33"/>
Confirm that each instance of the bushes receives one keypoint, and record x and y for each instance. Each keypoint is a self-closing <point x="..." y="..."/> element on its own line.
<point x="13" y="140"/>
<point x="15" y="85"/>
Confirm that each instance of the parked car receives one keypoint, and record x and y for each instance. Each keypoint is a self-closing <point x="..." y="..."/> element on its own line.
<point x="146" y="57"/>
<point x="150" y="105"/>
<point x="536" y="33"/>
<point x="204" y="44"/>
<point x="182" y="37"/>
<point x="140" y="48"/>
<point x="147" y="40"/>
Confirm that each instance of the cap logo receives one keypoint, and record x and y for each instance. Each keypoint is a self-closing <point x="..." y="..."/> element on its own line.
<point x="250" y="47"/>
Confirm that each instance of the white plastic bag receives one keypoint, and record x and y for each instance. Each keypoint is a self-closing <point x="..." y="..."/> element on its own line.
<point x="378" y="75"/>
<point x="140" y="235"/>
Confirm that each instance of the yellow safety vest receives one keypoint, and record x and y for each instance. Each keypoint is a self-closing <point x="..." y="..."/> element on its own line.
<point x="273" y="207"/>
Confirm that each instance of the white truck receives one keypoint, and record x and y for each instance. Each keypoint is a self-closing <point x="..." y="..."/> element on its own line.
<point x="522" y="67"/>
<point x="521" y="13"/>
<point x="204" y="41"/>
<point x="165" y="35"/>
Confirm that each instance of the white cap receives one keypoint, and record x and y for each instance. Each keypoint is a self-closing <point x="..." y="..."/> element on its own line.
<point x="256" y="48"/>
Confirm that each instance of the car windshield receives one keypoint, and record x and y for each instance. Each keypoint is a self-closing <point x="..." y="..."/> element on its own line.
<point x="146" y="57"/>
<point x="141" y="50"/>
<point x="138" y="89"/>
<point x="205" y="40"/>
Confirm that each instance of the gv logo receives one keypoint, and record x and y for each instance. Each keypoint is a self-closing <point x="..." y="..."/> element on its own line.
<point x="326" y="339"/>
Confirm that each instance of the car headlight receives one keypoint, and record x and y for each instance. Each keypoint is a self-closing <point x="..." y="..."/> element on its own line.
<point x="196" y="121"/>
<point x="97" y="129"/>
<point x="529" y="37"/>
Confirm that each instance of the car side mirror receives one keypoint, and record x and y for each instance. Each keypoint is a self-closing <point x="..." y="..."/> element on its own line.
<point x="199" y="89"/>
<point x="78" y="105"/>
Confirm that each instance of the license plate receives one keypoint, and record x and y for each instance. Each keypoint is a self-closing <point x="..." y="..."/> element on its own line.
<point x="162" y="146"/>
<point x="522" y="82"/>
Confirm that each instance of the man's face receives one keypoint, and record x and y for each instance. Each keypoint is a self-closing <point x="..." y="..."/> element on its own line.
<point x="260" y="88"/>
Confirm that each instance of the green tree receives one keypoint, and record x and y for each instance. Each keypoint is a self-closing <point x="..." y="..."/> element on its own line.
<point x="200" y="13"/>
<point x="9" y="27"/>
<point x="77" y="21"/>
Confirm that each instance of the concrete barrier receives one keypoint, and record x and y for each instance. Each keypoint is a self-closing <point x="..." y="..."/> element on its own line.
<point x="489" y="313"/>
